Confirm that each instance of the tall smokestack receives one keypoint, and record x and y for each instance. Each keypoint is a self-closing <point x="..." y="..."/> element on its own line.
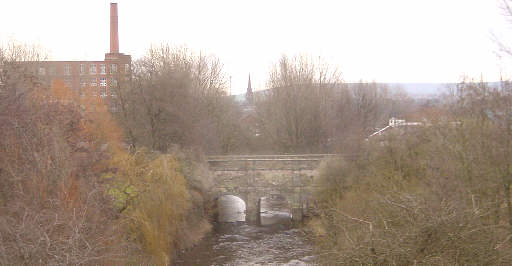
<point x="114" y="36"/>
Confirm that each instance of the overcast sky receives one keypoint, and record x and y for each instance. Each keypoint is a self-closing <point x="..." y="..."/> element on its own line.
<point x="381" y="40"/>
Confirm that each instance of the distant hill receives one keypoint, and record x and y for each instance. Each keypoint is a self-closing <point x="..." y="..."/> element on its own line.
<point x="415" y="90"/>
<point x="419" y="90"/>
<point x="426" y="89"/>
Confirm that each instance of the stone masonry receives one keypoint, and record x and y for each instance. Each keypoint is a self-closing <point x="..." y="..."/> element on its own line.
<point x="251" y="177"/>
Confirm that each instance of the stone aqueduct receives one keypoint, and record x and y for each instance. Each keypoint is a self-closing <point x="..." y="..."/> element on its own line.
<point x="251" y="177"/>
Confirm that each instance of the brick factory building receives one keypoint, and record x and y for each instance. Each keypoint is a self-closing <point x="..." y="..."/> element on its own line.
<point x="97" y="76"/>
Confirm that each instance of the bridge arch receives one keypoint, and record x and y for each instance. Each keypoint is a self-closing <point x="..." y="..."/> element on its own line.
<point x="251" y="177"/>
<point x="230" y="208"/>
<point x="274" y="209"/>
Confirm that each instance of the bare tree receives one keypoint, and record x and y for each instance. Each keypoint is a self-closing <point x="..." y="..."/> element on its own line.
<point x="17" y="66"/>
<point x="178" y="98"/>
<point x="296" y="111"/>
<point x="439" y="194"/>
<point x="506" y="7"/>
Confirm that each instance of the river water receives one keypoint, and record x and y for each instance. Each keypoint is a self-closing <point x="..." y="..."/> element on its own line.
<point x="243" y="244"/>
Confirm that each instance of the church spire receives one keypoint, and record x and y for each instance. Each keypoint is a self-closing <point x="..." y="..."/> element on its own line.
<point x="248" y="94"/>
<point x="249" y="89"/>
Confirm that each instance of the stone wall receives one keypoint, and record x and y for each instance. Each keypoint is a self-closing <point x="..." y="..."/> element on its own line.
<point x="253" y="177"/>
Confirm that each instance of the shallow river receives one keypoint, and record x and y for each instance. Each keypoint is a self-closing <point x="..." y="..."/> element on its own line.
<point x="242" y="244"/>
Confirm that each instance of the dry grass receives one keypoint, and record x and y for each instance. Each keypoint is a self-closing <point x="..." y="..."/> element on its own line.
<point x="414" y="200"/>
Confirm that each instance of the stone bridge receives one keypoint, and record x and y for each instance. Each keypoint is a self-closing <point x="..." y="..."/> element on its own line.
<point x="253" y="177"/>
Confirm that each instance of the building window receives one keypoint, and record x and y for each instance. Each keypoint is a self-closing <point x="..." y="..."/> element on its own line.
<point x="42" y="71"/>
<point x="92" y="69"/>
<point x="83" y="82"/>
<point x="51" y="71"/>
<point x="103" y="82"/>
<point x="67" y="70"/>
<point x="94" y="82"/>
<point x="82" y="69"/>
<point x="103" y="69"/>
<point x="126" y="68"/>
<point x="68" y="82"/>
<point x="113" y="86"/>
<point x="113" y="82"/>
<point x="103" y="92"/>
<point x="113" y="68"/>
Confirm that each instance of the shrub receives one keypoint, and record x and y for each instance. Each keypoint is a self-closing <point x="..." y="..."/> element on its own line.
<point x="431" y="197"/>
<point x="152" y="194"/>
<point x="52" y="206"/>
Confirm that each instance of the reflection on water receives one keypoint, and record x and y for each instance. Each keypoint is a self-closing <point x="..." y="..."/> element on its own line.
<point x="274" y="210"/>
<point x="231" y="209"/>
<point x="275" y="217"/>
<point x="242" y="244"/>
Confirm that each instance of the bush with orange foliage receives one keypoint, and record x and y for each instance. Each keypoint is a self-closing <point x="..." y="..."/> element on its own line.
<point x="71" y="194"/>
<point x="53" y="209"/>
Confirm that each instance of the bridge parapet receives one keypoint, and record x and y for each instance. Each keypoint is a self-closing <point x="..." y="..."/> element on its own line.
<point x="267" y="162"/>
<point x="272" y="156"/>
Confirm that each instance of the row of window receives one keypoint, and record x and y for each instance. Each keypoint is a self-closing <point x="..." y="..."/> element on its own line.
<point x="94" y="82"/>
<point x="95" y="90"/>
<point x="93" y="69"/>
<point x="102" y="92"/>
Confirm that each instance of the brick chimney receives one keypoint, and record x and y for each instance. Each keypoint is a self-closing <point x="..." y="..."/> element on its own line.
<point x="114" y="35"/>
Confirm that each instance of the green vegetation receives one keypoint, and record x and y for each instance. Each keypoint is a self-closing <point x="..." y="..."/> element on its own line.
<point x="153" y="195"/>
